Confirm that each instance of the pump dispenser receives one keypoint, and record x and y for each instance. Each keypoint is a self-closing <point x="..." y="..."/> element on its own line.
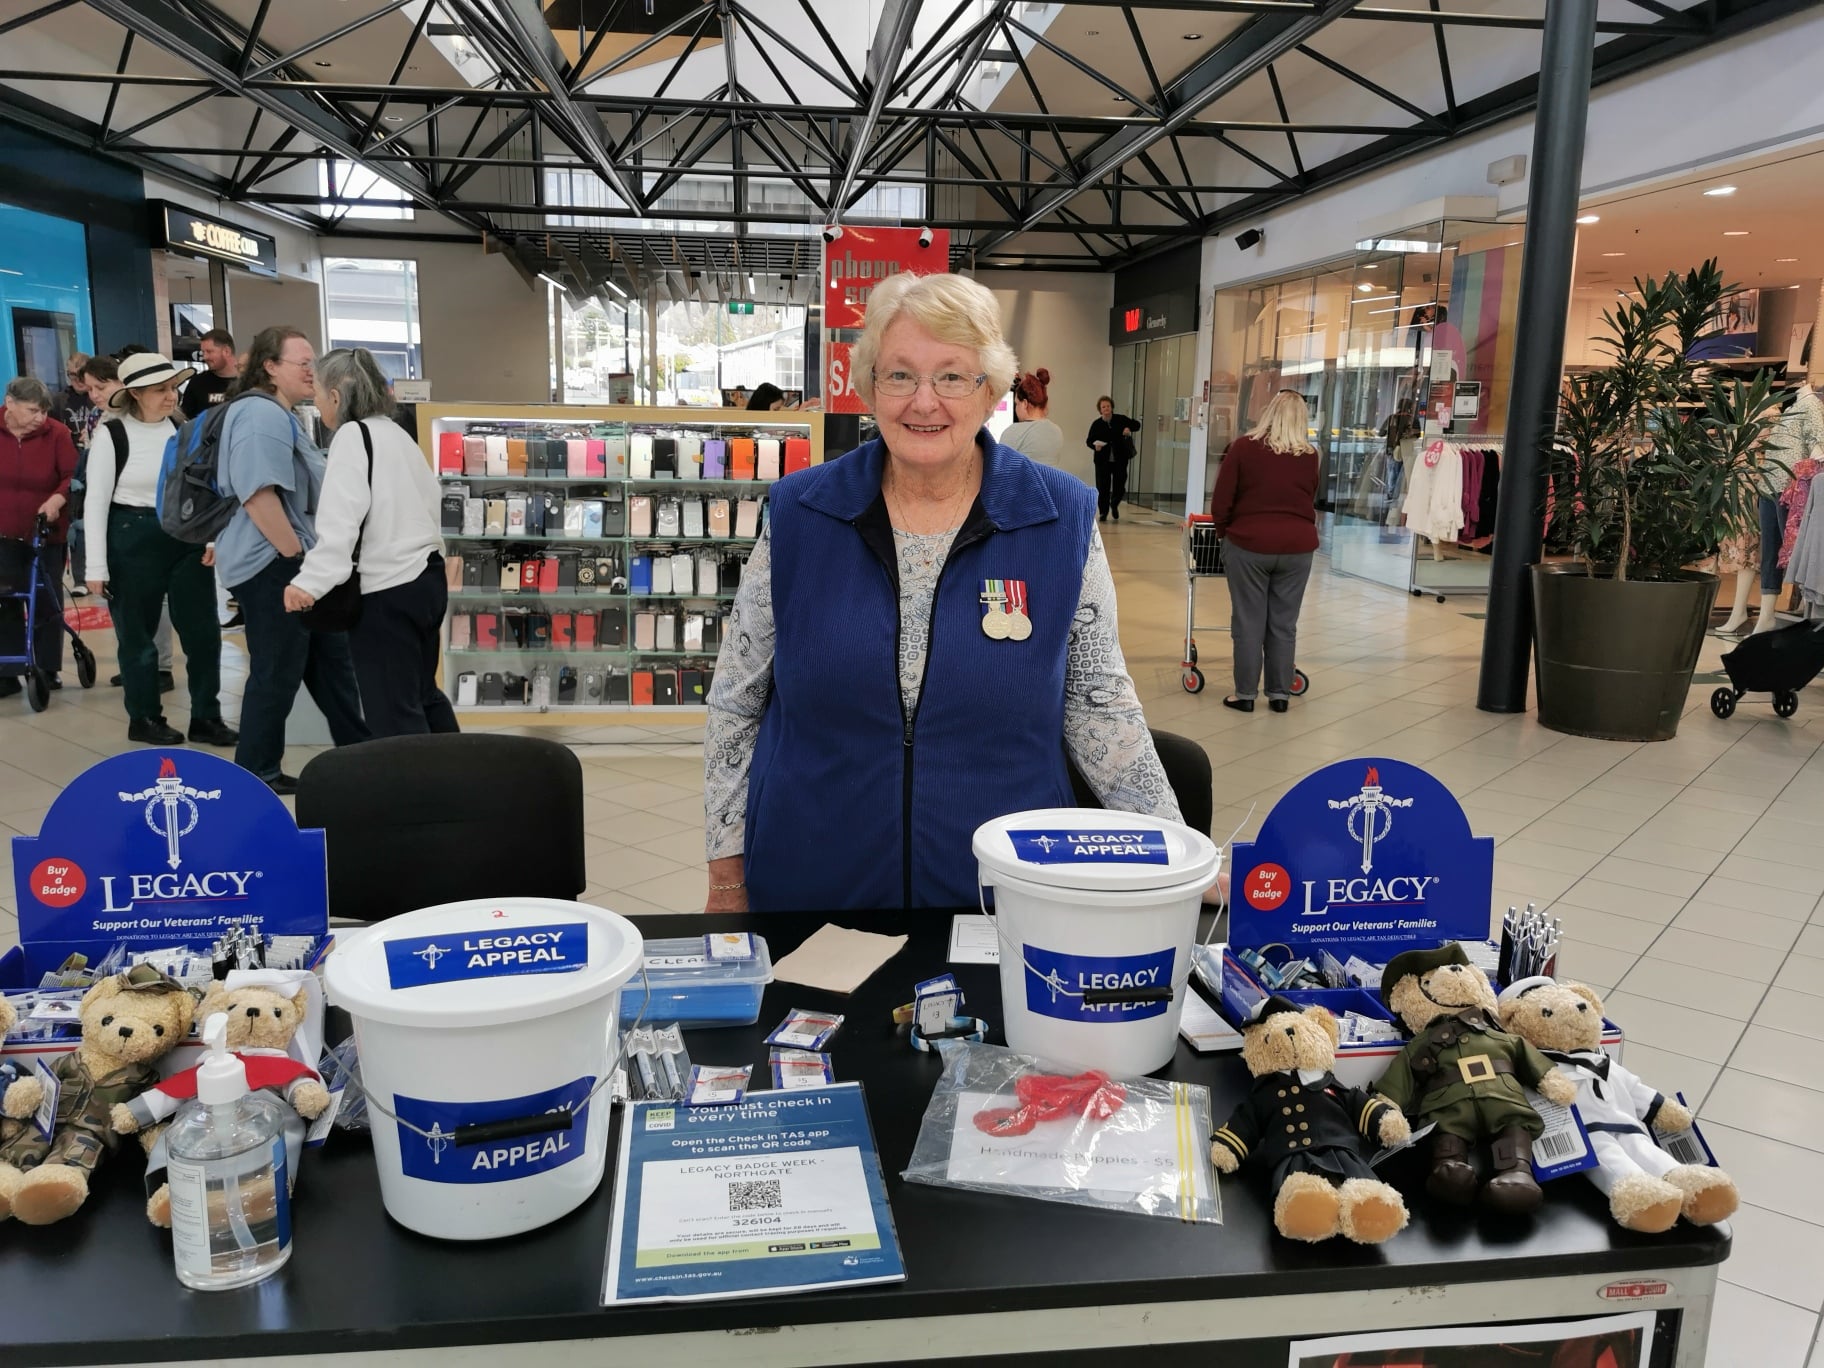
<point x="230" y="1199"/>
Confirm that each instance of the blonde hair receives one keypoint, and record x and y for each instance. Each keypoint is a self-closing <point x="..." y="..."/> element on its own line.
<point x="952" y="309"/>
<point x="1286" y="425"/>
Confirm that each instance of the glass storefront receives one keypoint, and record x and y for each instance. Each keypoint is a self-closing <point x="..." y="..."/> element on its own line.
<point x="1371" y="343"/>
<point x="1156" y="382"/>
<point x="44" y="294"/>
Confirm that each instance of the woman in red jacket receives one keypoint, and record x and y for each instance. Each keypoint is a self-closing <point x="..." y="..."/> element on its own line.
<point x="37" y="461"/>
<point x="1265" y="507"/>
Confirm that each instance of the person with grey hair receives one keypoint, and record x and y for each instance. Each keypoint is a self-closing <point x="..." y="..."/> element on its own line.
<point x="37" y="463"/>
<point x="380" y="507"/>
<point x="924" y="638"/>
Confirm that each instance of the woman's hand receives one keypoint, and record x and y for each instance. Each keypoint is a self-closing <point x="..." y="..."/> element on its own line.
<point x="297" y="601"/>
<point x="98" y="587"/>
<point x="727" y="885"/>
<point x="52" y="507"/>
<point x="209" y="554"/>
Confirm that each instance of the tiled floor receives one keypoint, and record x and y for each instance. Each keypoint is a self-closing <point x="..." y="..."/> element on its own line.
<point x="1688" y="874"/>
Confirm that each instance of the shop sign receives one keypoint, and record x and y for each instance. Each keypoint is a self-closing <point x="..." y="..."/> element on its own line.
<point x="162" y="847"/>
<point x="1141" y="320"/>
<point x="853" y="265"/>
<point x="1365" y="856"/>
<point x="198" y="234"/>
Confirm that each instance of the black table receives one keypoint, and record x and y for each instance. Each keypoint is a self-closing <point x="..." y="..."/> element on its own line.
<point x="987" y="1274"/>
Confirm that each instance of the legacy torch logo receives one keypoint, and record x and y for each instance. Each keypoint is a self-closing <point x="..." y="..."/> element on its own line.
<point x="171" y="809"/>
<point x="172" y="814"/>
<point x="1370" y="821"/>
<point x="1370" y="815"/>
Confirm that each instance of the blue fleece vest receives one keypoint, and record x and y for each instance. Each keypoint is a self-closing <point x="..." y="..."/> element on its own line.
<point x="852" y="803"/>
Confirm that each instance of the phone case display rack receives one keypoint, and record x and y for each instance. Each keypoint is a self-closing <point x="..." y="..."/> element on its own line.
<point x="594" y="552"/>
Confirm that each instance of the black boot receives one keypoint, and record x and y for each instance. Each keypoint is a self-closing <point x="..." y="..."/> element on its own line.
<point x="1453" y="1178"/>
<point x="1512" y="1191"/>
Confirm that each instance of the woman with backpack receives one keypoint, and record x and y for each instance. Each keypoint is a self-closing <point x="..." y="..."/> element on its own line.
<point x="141" y="566"/>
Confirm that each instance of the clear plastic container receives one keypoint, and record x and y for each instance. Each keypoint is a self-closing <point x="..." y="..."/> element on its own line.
<point x="230" y="1188"/>
<point x="695" y="991"/>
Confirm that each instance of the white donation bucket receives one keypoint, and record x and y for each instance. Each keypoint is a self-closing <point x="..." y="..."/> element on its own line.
<point x="484" y="1030"/>
<point x="1097" y="912"/>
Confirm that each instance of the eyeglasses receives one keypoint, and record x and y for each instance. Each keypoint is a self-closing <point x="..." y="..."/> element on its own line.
<point x="898" y="384"/>
<point x="309" y="364"/>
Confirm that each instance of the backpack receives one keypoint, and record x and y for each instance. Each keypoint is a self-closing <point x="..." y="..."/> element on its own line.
<point x="192" y="505"/>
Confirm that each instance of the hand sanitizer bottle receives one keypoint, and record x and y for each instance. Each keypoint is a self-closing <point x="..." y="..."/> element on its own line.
<point x="230" y="1196"/>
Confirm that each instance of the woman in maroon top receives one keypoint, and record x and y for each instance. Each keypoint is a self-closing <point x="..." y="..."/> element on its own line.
<point x="1265" y="507"/>
<point x="37" y="459"/>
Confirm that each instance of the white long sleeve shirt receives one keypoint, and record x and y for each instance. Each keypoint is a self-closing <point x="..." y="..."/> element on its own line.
<point x="402" y="512"/>
<point x="137" y="487"/>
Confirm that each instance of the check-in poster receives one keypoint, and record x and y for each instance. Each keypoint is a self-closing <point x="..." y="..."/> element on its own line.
<point x="1601" y="1342"/>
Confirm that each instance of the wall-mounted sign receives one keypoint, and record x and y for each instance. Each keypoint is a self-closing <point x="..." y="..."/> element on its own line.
<point x="412" y="391"/>
<point x="197" y="234"/>
<point x="1141" y="320"/>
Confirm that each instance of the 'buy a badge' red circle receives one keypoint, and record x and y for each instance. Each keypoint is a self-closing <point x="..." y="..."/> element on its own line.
<point x="1267" y="887"/>
<point x="59" y="882"/>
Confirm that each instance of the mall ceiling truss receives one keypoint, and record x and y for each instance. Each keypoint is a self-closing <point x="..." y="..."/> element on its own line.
<point x="1049" y="184"/>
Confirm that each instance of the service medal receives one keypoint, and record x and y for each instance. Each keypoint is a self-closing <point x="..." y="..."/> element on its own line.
<point x="997" y="625"/>
<point x="1019" y="623"/>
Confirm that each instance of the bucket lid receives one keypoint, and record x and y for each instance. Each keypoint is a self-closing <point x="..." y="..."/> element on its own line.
<point x="1090" y="848"/>
<point x="482" y="963"/>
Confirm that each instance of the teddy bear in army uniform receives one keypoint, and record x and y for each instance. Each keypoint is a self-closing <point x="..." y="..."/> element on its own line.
<point x="1311" y="1129"/>
<point x="129" y="1021"/>
<point x="1463" y="1073"/>
<point x="1648" y="1189"/>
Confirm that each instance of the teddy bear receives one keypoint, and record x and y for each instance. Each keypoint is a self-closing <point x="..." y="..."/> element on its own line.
<point x="1310" y="1128"/>
<point x="1463" y="1073"/>
<point x="1648" y="1190"/>
<point x="261" y="1024"/>
<point x="129" y="1021"/>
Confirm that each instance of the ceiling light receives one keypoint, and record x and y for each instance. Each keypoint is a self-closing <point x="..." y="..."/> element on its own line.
<point x="1614" y="254"/>
<point x="1718" y="191"/>
<point x="1192" y="37"/>
<point x="321" y="64"/>
<point x="1589" y="218"/>
<point x="1122" y="99"/>
<point x="1372" y="266"/>
<point x="1785" y="260"/>
<point x="1365" y="288"/>
<point x="395" y="118"/>
<point x="1735" y="232"/>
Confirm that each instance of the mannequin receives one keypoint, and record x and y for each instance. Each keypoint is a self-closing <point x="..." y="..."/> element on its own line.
<point x="1798" y="434"/>
<point x="1745" y="580"/>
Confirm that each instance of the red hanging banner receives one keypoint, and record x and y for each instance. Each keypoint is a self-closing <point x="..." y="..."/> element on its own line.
<point x="853" y="265"/>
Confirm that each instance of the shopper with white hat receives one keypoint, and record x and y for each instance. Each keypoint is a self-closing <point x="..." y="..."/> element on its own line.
<point x="142" y="565"/>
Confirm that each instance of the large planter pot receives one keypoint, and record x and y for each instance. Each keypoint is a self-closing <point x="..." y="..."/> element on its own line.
<point x="1614" y="658"/>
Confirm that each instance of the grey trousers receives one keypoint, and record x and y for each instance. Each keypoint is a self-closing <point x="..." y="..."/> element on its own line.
<point x="1264" y="597"/>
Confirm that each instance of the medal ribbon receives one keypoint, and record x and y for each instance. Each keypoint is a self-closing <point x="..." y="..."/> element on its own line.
<point x="1016" y="597"/>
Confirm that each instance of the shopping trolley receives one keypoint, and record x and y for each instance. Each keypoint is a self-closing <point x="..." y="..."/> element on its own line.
<point x="1203" y="560"/>
<point x="21" y="567"/>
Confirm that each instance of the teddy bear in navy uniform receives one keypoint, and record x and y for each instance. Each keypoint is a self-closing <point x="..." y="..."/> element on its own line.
<point x="1648" y="1189"/>
<point x="1311" y="1129"/>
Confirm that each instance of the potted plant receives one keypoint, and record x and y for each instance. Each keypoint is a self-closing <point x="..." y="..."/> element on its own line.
<point x="1654" y="464"/>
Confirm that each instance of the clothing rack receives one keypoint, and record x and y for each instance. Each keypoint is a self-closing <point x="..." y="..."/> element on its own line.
<point x="1465" y="573"/>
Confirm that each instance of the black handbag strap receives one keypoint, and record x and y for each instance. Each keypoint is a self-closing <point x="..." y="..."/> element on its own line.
<point x="368" y="442"/>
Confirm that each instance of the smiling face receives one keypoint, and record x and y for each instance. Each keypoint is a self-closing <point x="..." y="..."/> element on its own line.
<point x="155" y="403"/>
<point x="293" y="375"/>
<point x="924" y="429"/>
<point x="1420" y="999"/>
<point x="1106" y="409"/>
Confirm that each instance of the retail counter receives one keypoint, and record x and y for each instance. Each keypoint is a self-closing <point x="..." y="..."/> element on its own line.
<point x="988" y="1276"/>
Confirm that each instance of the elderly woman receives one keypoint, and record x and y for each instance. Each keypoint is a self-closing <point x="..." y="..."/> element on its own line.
<point x="143" y="567"/>
<point x="380" y="507"/>
<point x="923" y="637"/>
<point x="37" y="462"/>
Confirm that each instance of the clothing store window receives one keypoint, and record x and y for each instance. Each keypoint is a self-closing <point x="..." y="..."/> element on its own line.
<point x="373" y="303"/>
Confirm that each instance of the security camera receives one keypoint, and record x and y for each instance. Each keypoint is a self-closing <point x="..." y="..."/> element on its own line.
<point x="831" y="233"/>
<point x="926" y="237"/>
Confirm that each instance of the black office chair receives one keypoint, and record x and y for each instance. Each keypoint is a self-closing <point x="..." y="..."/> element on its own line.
<point x="414" y="821"/>
<point x="1187" y="770"/>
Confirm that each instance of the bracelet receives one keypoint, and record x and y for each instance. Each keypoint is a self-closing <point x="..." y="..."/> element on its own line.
<point x="727" y="888"/>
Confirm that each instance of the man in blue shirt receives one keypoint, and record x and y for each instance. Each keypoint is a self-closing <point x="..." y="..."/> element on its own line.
<point x="276" y="472"/>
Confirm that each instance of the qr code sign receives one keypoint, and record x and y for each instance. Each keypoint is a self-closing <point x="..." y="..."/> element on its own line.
<point x="757" y="1196"/>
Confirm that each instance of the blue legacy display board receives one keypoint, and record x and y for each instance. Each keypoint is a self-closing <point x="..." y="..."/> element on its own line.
<point x="1367" y="857"/>
<point x="779" y="1193"/>
<point x="164" y="847"/>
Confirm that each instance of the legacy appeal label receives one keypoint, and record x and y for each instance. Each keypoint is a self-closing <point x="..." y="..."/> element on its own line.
<point x="1090" y="847"/>
<point x="414" y="961"/>
<point x="437" y="1156"/>
<point x="1056" y="984"/>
